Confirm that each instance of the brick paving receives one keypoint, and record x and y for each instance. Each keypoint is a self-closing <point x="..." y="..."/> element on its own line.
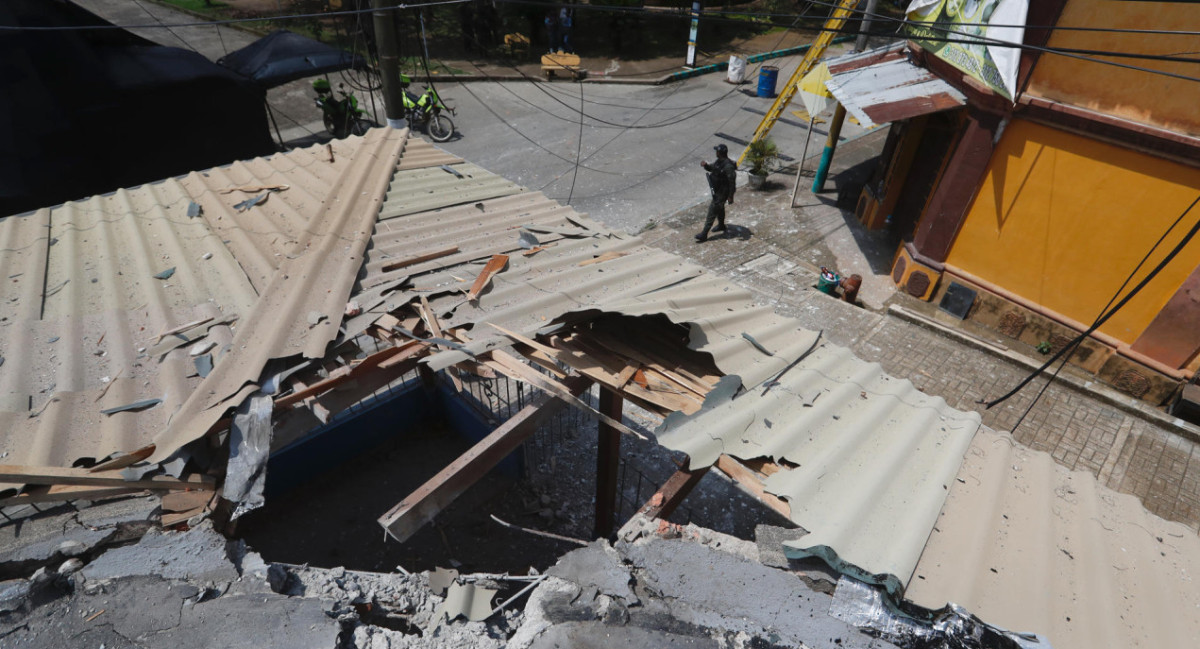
<point x="775" y="251"/>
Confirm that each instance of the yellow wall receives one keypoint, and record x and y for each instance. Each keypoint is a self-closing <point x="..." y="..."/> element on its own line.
<point x="1061" y="220"/>
<point x="1139" y="96"/>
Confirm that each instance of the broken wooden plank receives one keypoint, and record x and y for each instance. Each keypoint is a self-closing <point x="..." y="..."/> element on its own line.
<point x="581" y="363"/>
<point x="422" y="505"/>
<point x="418" y="259"/>
<point x="512" y="367"/>
<point x="752" y="482"/>
<point x="380" y="361"/>
<point x="181" y="501"/>
<point x="672" y="493"/>
<point x="494" y="265"/>
<point x="122" y="461"/>
<point x="182" y="328"/>
<point x="607" y="256"/>
<point x="59" y="475"/>
<point x="435" y="329"/>
<point x="60" y="493"/>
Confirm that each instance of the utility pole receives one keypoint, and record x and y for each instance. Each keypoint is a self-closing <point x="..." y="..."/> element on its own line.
<point x="839" y="113"/>
<point x="384" y="16"/>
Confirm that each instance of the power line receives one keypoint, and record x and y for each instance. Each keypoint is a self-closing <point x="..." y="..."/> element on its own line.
<point x="578" y="147"/>
<point x="224" y="21"/>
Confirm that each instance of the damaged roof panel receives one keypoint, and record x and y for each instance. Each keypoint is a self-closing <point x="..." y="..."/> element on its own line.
<point x="1029" y="545"/>
<point x="95" y="283"/>
<point x="882" y="86"/>
<point x="872" y="458"/>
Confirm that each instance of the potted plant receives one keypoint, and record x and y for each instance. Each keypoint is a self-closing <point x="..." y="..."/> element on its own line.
<point x="760" y="154"/>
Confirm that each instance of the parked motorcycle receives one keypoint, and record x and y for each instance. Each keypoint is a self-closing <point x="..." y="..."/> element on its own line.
<point x="425" y="111"/>
<point x="342" y="117"/>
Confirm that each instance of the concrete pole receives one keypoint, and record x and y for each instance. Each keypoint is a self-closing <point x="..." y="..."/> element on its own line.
<point x="835" y="131"/>
<point x="384" y="16"/>
<point x="839" y="114"/>
<point x="860" y="43"/>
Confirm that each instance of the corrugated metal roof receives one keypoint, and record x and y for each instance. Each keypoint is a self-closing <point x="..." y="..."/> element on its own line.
<point x="1029" y="545"/>
<point x="882" y="86"/>
<point x="80" y="322"/>
<point x="872" y="458"/>
<point x="872" y="455"/>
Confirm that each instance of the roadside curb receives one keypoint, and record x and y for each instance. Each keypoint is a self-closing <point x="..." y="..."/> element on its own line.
<point x="1092" y="388"/>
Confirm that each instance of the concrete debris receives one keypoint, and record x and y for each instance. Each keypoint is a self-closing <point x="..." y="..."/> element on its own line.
<point x="703" y="589"/>
<point x="250" y="444"/>
<point x="199" y="554"/>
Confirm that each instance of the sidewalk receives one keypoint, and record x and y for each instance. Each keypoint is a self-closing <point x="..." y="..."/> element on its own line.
<point x="776" y="252"/>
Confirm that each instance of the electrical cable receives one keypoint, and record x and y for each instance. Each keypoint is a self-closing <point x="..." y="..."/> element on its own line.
<point x="169" y="30"/>
<point x="224" y="21"/>
<point x="1078" y="341"/>
<point x="578" y="148"/>
<point x="1104" y="317"/>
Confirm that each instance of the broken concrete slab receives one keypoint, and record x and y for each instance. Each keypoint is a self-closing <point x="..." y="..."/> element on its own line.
<point x="597" y="566"/>
<point x="49" y="537"/>
<point x="199" y="554"/>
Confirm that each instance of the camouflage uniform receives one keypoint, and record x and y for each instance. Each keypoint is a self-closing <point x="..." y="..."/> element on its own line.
<point x="722" y="179"/>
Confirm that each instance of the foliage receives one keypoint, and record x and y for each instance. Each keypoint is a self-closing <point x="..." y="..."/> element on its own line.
<point x="1044" y="347"/>
<point x="760" y="154"/>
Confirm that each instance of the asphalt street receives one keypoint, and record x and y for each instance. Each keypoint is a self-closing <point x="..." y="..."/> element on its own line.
<point x="639" y="148"/>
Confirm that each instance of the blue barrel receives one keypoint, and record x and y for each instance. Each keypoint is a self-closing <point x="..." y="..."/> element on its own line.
<point x="767" y="77"/>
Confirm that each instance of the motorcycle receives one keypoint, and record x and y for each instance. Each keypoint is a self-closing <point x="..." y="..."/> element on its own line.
<point x="425" y="110"/>
<point x="342" y="117"/>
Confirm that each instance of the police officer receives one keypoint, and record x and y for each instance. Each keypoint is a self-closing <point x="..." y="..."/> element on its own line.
<point x="722" y="179"/>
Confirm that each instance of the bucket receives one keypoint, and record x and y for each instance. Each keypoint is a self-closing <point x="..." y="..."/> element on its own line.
<point x="767" y="77"/>
<point x="828" y="282"/>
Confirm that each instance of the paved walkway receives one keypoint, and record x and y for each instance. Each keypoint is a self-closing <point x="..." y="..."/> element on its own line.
<point x="776" y="252"/>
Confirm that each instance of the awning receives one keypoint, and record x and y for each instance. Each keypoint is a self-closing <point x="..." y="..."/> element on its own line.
<point x="881" y="85"/>
<point x="283" y="56"/>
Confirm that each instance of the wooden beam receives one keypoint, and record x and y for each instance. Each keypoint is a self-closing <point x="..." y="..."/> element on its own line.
<point x="608" y="461"/>
<point x="418" y="259"/>
<point x="422" y="505"/>
<point x="664" y="501"/>
<point x="60" y="493"/>
<point x="58" y="475"/>
<point x="751" y="481"/>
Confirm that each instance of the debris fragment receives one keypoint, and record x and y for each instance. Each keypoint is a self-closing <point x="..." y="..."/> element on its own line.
<point x="251" y="202"/>
<point x="451" y="170"/>
<point x="194" y="209"/>
<point x="251" y="189"/>
<point x="201" y="348"/>
<point x="166" y="274"/>
<point x="183" y="327"/>
<point x="56" y="289"/>
<point x="136" y="405"/>
<point x="204" y="365"/>
<point x="329" y="150"/>
<point x="207" y="255"/>
<point x="494" y="265"/>
<point x="532" y="251"/>
<point x="353" y="308"/>
<point x="757" y="345"/>
<point x="53" y="339"/>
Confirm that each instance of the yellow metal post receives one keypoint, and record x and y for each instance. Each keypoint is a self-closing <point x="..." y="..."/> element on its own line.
<point x="814" y="54"/>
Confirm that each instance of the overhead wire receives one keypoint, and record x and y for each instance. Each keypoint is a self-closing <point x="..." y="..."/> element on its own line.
<point x="1108" y="314"/>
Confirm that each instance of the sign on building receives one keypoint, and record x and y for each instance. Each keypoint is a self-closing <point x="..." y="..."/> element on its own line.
<point x="972" y="35"/>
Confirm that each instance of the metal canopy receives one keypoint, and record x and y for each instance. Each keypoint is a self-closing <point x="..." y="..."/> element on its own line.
<point x="882" y="85"/>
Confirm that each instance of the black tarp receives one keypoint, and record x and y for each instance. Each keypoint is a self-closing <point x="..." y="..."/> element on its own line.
<point x="284" y="56"/>
<point x="84" y="112"/>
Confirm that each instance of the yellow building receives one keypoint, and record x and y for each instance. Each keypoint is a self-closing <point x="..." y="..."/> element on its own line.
<point x="1051" y="204"/>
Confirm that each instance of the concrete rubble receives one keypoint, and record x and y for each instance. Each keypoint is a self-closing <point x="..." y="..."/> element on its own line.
<point x="660" y="585"/>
